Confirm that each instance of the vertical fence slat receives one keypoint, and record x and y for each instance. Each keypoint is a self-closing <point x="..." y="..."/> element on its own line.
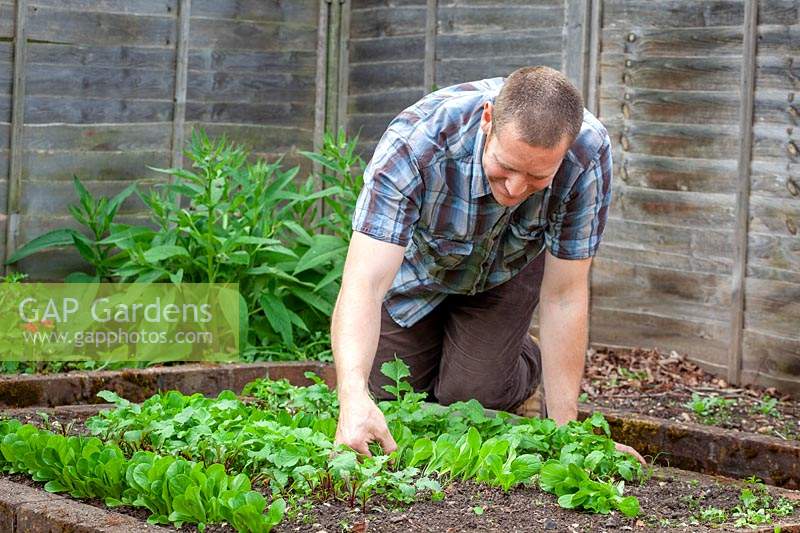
<point x="333" y="71"/>
<point x="320" y="82"/>
<point x="344" y="61"/>
<point x="593" y="75"/>
<point x="430" y="45"/>
<point x="747" y="95"/>
<point x="577" y="23"/>
<point x="181" y="75"/>
<point x="17" y="125"/>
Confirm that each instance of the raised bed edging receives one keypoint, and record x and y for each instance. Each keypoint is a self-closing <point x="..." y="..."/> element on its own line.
<point x="26" y="509"/>
<point x="707" y="449"/>
<point x="137" y="385"/>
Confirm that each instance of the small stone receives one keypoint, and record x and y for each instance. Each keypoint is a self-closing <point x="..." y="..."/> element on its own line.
<point x="550" y="524"/>
<point x="662" y="483"/>
<point x="685" y="417"/>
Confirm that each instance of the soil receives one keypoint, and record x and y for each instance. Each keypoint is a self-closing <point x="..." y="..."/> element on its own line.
<point x="655" y="384"/>
<point x="668" y="503"/>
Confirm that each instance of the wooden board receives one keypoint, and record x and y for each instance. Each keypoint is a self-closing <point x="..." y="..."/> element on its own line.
<point x="294" y="11"/>
<point x="380" y="102"/>
<point x="250" y="35"/>
<point x="772" y="307"/>
<point x="385" y="21"/>
<point x="675" y="174"/>
<point x="452" y="71"/>
<point x="619" y="102"/>
<point x="660" y="291"/>
<point x="706" y="341"/>
<point x="100" y="28"/>
<point x="702" y="250"/>
<point x="684" y="209"/>
<point x="494" y="18"/>
<point x="771" y="361"/>
<point x="376" y="77"/>
<point x="387" y="49"/>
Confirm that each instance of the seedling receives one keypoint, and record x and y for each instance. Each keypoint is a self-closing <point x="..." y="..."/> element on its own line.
<point x="767" y="406"/>
<point x="710" y="409"/>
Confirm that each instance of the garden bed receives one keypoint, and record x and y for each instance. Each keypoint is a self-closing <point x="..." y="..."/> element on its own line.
<point x="669" y="498"/>
<point x="670" y="501"/>
<point x="670" y="387"/>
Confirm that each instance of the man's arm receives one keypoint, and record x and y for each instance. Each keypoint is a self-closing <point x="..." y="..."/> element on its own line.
<point x="368" y="273"/>
<point x="563" y="325"/>
<point x="564" y="332"/>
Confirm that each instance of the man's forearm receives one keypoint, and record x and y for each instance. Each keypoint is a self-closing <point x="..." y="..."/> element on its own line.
<point x="355" y="329"/>
<point x="564" y="339"/>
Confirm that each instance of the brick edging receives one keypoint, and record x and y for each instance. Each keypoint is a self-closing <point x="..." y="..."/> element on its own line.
<point x="707" y="449"/>
<point x="137" y="385"/>
<point x="25" y="509"/>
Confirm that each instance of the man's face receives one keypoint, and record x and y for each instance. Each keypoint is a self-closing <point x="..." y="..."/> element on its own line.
<point x="515" y="169"/>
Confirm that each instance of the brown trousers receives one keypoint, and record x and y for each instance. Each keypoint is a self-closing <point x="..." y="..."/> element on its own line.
<point x="470" y="346"/>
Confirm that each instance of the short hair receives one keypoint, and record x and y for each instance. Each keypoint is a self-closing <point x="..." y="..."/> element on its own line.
<point x="543" y="105"/>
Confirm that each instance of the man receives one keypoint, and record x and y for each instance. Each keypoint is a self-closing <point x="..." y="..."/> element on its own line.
<point x="481" y="200"/>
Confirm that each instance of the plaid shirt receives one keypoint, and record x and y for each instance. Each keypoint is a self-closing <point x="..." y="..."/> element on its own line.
<point x="425" y="189"/>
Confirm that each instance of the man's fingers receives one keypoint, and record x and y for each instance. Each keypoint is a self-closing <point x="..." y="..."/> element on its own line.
<point x="386" y="441"/>
<point x="630" y="451"/>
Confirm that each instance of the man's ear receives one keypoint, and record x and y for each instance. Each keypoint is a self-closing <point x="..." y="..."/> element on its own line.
<point x="486" y="117"/>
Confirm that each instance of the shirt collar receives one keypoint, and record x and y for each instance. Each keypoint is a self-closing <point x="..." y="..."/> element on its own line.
<point x="480" y="183"/>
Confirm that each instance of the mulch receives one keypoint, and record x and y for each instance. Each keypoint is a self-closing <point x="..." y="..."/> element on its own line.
<point x="657" y="384"/>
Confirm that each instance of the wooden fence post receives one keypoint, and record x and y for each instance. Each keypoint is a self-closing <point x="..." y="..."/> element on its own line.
<point x="17" y="130"/>
<point x="577" y="24"/>
<point x="430" y="46"/>
<point x="181" y="75"/>
<point x="593" y="74"/>
<point x="747" y="96"/>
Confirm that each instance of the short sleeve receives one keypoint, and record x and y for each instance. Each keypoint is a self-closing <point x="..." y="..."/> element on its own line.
<point x="388" y="206"/>
<point x="576" y="226"/>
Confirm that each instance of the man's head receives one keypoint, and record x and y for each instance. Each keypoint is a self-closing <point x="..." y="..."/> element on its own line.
<point x="535" y="119"/>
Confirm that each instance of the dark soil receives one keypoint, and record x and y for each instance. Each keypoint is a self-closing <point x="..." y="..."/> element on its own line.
<point x="654" y="384"/>
<point x="668" y="503"/>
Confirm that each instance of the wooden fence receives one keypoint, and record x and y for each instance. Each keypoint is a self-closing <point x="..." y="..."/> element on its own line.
<point x="701" y="253"/>
<point x="105" y="88"/>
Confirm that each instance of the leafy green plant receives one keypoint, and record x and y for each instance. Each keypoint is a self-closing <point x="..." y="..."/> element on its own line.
<point x="767" y="406"/>
<point x="174" y="490"/>
<point x="226" y="220"/>
<point x="97" y="216"/>
<point x="286" y="437"/>
<point x="710" y="409"/>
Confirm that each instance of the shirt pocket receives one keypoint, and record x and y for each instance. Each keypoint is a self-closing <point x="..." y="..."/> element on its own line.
<point x="440" y="255"/>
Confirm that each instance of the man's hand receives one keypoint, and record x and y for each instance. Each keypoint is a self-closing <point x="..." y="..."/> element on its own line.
<point x="361" y="422"/>
<point x="627" y="449"/>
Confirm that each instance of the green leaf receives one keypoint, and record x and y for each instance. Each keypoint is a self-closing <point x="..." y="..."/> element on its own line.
<point x="165" y="251"/>
<point x="314" y="300"/>
<point x="128" y="233"/>
<point x="239" y="258"/>
<point x="334" y="274"/>
<point x="303" y="236"/>
<point x="629" y="506"/>
<point x="593" y="459"/>
<point x="323" y="251"/>
<point x="278" y="317"/>
<point x="81" y="277"/>
<point x="395" y="370"/>
<point x="59" y="237"/>
<point x="55" y="486"/>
